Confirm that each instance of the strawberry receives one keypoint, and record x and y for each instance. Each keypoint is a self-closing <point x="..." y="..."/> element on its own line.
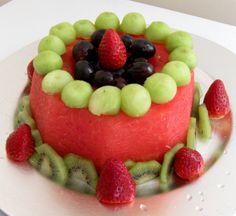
<point x="30" y="70"/>
<point x="111" y="51"/>
<point x="115" y="185"/>
<point x="217" y="100"/>
<point x="188" y="164"/>
<point x="20" y="145"/>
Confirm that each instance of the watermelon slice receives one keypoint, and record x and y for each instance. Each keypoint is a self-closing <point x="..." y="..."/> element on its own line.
<point x="98" y="138"/>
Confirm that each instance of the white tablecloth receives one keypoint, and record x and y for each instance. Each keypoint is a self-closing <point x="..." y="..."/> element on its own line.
<point x="24" y="21"/>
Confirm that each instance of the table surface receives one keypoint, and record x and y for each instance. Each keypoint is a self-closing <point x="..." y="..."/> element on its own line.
<point x="25" y="21"/>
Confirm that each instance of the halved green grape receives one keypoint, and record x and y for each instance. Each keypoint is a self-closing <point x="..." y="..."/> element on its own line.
<point x="84" y="28"/>
<point x="105" y="101"/>
<point x="168" y="160"/>
<point x="107" y="20"/>
<point x="76" y="94"/>
<point x="161" y="87"/>
<point x="135" y="100"/>
<point x="179" y="71"/>
<point x="185" y="55"/>
<point x="133" y="23"/>
<point x="52" y="43"/>
<point x="65" y="31"/>
<point x="179" y="39"/>
<point x="204" y="125"/>
<point x="191" y="135"/>
<point x="157" y="31"/>
<point x="55" y="81"/>
<point x="47" y="61"/>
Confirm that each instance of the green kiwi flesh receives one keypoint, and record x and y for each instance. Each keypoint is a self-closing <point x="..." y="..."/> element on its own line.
<point x="50" y="164"/>
<point x="142" y="172"/>
<point x="129" y="164"/>
<point x="23" y="114"/>
<point x="37" y="137"/>
<point x="82" y="174"/>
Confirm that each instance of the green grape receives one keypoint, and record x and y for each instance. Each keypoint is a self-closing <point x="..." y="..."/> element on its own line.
<point x="135" y="100"/>
<point x="107" y="20"/>
<point x="76" y="94"/>
<point x="47" y="61"/>
<point x="157" y="32"/>
<point x="84" y="28"/>
<point x="52" y="43"/>
<point x="161" y="87"/>
<point x="54" y="81"/>
<point x="179" y="39"/>
<point x="65" y="31"/>
<point x="105" y="101"/>
<point x="179" y="71"/>
<point x="133" y="23"/>
<point x="185" y="55"/>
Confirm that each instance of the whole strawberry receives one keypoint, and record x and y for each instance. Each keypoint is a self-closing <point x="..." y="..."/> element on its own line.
<point x="188" y="164"/>
<point x="217" y="100"/>
<point x="115" y="185"/>
<point x="111" y="51"/>
<point x="20" y="145"/>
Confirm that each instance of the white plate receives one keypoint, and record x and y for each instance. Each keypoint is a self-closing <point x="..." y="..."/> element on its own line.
<point x="24" y="192"/>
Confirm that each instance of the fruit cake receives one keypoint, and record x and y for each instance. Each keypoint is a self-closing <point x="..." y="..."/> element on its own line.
<point x="113" y="101"/>
<point x="107" y="119"/>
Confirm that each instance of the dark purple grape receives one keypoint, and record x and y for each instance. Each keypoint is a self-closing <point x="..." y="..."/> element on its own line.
<point x="97" y="37"/>
<point x="102" y="78"/>
<point x="120" y="82"/>
<point x="84" y="50"/>
<point x="96" y="65"/>
<point x="128" y="41"/>
<point x="131" y="60"/>
<point x="83" y="71"/>
<point x="138" y="72"/>
<point x="118" y="73"/>
<point x="140" y="59"/>
<point x="142" y="48"/>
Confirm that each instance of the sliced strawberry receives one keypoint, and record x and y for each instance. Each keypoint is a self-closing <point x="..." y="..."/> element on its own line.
<point x="111" y="51"/>
<point x="30" y="70"/>
<point x="217" y="100"/>
<point x="115" y="185"/>
<point x="20" y="145"/>
<point x="188" y="164"/>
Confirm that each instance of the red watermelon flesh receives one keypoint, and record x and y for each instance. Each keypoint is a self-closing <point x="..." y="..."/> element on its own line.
<point x="99" y="138"/>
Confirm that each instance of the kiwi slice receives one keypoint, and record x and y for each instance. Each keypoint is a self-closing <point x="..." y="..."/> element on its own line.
<point x="145" y="171"/>
<point x="49" y="163"/>
<point x="129" y="164"/>
<point x="24" y="104"/>
<point x="24" y="117"/>
<point x="82" y="174"/>
<point x="24" y="114"/>
<point x="37" y="137"/>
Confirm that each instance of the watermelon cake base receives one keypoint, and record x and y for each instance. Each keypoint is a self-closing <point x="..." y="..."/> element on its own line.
<point x="78" y="131"/>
